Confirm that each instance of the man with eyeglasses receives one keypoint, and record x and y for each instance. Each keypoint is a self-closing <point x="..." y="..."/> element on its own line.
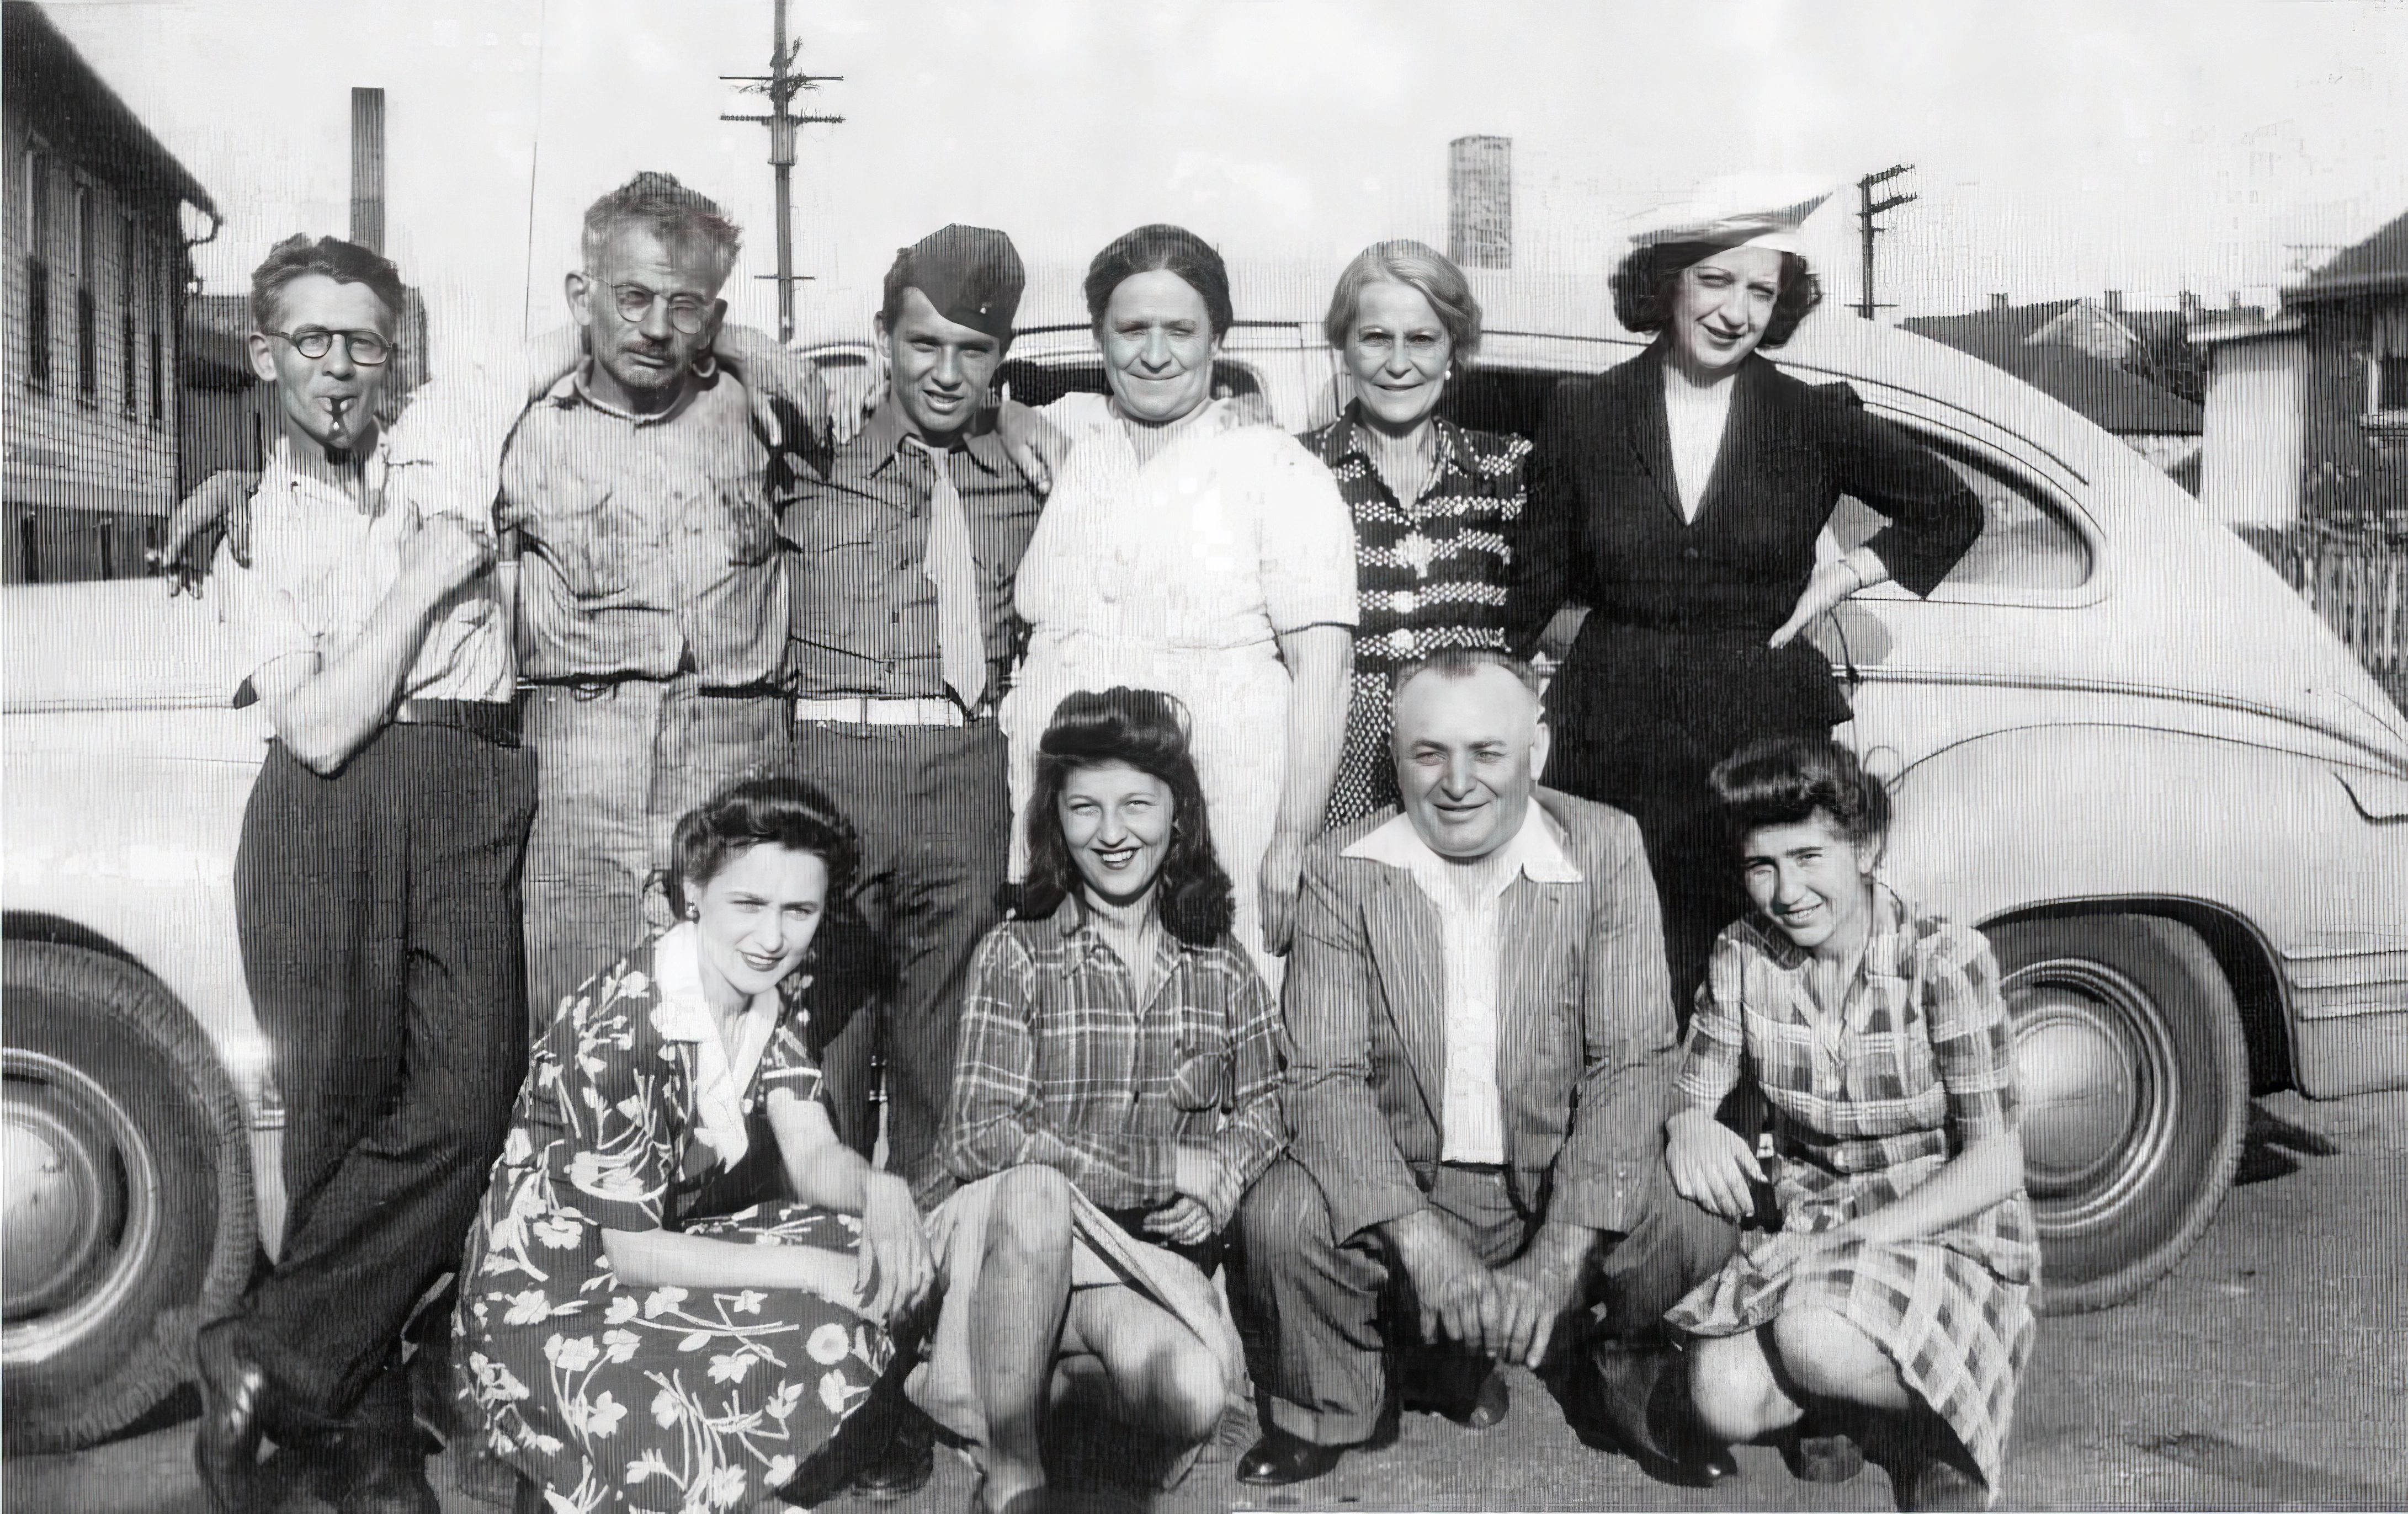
<point x="375" y="888"/>
<point x="651" y="592"/>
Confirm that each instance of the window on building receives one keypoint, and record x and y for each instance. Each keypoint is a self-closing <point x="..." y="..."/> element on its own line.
<point x="29" y="546"/>
<point x="107" y="533"/>
<point x="2386" y="380"/>
<point x="129" y="289"/>
<point x="38" y="268"/>
<point x="156" y="305"/>
<point x="87" y="309"/>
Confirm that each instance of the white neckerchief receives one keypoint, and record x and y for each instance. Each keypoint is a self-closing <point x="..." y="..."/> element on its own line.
<point x="682" y="1014"/>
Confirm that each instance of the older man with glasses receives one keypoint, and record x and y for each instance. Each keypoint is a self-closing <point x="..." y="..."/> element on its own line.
<point x="652" y="595"/>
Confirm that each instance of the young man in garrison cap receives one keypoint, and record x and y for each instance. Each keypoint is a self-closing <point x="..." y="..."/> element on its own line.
<point x="903" y="636"/>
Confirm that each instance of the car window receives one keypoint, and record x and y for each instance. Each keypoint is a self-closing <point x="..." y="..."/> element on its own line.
<point x="1037" y="382"/>
<point x="2026" y="541"/>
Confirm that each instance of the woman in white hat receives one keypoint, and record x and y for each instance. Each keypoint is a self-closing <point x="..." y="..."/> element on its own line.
<point x="1679" y="496"/>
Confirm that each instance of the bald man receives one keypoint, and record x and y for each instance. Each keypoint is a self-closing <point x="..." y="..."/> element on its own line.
<point x="1483" y="1057"/>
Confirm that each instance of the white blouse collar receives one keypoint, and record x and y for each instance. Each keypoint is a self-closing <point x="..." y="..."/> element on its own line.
<point x="680" y="1013"/>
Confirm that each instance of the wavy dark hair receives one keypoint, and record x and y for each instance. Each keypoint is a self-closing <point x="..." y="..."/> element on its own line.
<point x="1166" y="248"/>
<point x="1146" y="729"/>
<point x="761" y="811"/>
<point x="1645" y="282"/>
<point x="345" y="262"/>
<point x="1782" y="781"/>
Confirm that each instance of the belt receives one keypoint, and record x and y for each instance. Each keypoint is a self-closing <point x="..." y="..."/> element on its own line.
<point x="496" y="723"/>
<point x="596" y="686"/>
<point x="859" y="709"/>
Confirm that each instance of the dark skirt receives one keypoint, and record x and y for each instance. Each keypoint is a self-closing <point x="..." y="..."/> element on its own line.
<point x="1641" y="715"/>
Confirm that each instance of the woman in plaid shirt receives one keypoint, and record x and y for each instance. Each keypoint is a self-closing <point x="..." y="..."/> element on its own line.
<point x="1116" y="1090"/>
<point x="1897" y="1288"/>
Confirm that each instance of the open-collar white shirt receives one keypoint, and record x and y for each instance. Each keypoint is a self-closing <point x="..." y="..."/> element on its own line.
<point x="1469" y="899"/>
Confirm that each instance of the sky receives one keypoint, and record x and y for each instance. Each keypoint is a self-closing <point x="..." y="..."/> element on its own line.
<point x="2059" y="148"/>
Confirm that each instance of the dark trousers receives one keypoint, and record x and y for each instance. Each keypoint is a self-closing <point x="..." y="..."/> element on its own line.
<point x="935" y="815"/>
<point x="1326" y="1317"/>
<point x="378" y="910"/>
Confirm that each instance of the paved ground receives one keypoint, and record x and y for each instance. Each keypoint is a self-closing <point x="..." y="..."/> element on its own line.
<point x="2269" y="1371"/>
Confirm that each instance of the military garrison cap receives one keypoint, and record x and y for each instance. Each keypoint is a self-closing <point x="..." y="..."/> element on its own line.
<point x="971" y="274"/>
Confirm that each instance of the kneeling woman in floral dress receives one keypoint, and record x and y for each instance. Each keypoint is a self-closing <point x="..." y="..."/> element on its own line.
<point x="619" y="1353"/>
<point x="1896" y="1291"/>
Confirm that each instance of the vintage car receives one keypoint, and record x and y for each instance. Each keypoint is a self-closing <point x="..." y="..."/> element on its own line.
<point x="2119" y="745"/>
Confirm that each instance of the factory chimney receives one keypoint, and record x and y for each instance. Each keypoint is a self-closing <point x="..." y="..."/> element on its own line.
<point x="1480" y="202"/>
<point x="367" y="168"/>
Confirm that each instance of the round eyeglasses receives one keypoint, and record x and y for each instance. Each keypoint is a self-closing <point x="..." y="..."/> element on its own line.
<point x="635" y="302"/>
<point x="365" y="348"/>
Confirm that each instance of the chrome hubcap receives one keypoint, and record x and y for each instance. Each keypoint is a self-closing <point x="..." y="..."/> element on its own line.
<point x="82" y="1205"/>
<point x="2098" y="1081"/>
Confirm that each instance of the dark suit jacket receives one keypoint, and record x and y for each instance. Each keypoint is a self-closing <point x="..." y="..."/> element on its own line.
<point x="1584" y="1044"/>
<point x="1604" y="526"/>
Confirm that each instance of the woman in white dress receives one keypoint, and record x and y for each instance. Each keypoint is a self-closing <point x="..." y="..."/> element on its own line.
<point x="1187" y="549"/>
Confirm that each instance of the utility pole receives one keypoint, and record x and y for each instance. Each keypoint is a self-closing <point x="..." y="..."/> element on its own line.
<point x="1868" y="208"/>
<point x="782" y="84"/>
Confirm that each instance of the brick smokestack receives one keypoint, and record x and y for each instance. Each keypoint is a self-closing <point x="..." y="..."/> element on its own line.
<point x="1480" y="202"/>
<point x="367" y="168"/>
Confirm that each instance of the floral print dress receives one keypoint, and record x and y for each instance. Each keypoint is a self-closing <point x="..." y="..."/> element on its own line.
<point x="618" y="1397"/>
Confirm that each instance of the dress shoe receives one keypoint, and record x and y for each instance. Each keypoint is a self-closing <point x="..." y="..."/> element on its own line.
<point x="394" y="1485"/>
<point x="1279" y="1458"/>
<point x="1929" y="1466"/>
<point x="905" y="1466"/>
<point x="1490" y="1405"/>
<point x="1637" y="1401"/>
<point x="234" y="1395"/>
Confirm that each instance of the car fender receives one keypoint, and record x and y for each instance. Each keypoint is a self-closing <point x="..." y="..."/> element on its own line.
<point x="2043" y="818"/>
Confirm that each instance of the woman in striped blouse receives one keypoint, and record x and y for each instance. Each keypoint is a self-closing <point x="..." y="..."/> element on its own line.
<point x="1433" y="502"/>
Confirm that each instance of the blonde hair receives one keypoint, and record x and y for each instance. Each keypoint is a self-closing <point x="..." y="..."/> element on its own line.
<point x="1420" y="268"/>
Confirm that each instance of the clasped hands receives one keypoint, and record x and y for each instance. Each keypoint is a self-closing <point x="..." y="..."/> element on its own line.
<point x="1507" y="1312"/>
<point x="1209" y="1191"/>
<point x="895" y="1271"/>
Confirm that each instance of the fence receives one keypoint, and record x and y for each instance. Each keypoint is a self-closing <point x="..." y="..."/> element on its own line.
<point x="2358" y="585"/>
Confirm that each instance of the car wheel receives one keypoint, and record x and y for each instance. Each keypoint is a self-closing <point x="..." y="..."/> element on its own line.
<point x="2135" y="1085"/>
<point x="129" y="1204"/>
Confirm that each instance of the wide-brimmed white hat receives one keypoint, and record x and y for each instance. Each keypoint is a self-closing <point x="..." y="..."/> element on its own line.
<point x="1740" y="210"/>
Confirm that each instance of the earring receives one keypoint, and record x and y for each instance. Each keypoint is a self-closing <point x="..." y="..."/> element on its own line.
<point x="693" y="911"/>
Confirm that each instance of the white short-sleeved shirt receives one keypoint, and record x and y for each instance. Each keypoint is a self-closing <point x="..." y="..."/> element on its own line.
<point x="1231" y="534"/>
<point x="321" y="561"/>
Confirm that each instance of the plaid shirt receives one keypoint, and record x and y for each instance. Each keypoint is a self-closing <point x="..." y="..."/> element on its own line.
<point x="1059" y="1065"/>
<point x="1430" y="575"/>
<point x="1919" y="1065"/>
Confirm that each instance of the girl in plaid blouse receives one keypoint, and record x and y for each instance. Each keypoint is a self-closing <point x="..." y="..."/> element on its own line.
<point x="1895" y="1293"/>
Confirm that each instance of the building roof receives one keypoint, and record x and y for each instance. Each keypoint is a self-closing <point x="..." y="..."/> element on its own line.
<point x="79" y="115"/>
<point x="1988" y="328"/>
<point x="2379" y="263"/>
<point x="2123" y="403"/>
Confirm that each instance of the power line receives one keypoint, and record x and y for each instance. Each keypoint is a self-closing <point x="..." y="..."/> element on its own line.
<point x="782" y="84"/>
<point x="1867" y="209"/>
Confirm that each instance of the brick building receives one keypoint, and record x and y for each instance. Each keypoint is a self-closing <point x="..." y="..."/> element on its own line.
<point x="98" y="263"/>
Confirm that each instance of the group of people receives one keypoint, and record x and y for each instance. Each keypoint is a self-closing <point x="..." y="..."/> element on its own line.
<point x="1156" y="795"/>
